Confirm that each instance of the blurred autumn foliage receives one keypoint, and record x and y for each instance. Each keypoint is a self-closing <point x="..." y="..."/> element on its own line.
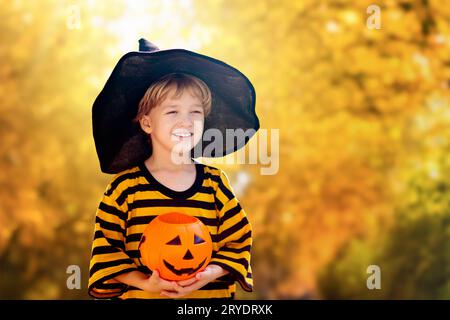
<point x="364" y="120"/>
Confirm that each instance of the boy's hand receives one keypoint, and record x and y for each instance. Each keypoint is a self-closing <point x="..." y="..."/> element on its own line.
<point x="156" y="284"/>
<point x="210" y="273"/>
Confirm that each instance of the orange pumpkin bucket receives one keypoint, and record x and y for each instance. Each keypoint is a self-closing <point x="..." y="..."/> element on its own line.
<point x="177" y="245"/>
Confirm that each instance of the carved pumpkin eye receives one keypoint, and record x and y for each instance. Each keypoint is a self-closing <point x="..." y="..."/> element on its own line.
<point x="175" y="241"/>
<point x="197" y="239"/>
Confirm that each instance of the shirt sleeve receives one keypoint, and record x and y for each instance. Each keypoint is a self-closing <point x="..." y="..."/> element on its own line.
<point x="234" y="236"/>
<point x="108" y="256"/>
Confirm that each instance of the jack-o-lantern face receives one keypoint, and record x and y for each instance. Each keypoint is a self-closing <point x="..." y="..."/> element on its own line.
<point x="177" y="245"/>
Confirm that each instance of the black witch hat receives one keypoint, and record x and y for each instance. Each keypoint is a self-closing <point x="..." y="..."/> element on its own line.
<point x="122" y="144"/>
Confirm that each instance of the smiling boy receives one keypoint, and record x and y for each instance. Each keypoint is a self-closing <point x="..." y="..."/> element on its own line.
<point x="171" y="116"/>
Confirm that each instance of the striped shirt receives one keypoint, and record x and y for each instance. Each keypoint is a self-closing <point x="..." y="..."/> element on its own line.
<point x="134" y="197"/>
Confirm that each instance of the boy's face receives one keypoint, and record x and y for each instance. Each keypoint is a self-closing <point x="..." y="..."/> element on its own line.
<point x="176" y="124"/>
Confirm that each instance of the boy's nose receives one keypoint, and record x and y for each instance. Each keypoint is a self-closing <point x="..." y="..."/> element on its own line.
<point x="186" y="120"/>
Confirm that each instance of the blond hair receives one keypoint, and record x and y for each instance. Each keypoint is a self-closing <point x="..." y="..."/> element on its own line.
<point x="158" y="91"/>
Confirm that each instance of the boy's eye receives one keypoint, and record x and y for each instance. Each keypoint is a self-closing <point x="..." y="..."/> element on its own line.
<point x="174" y="112"/>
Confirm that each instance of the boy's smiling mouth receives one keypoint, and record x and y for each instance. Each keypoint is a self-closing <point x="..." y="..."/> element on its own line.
<point x="182" y="134"/>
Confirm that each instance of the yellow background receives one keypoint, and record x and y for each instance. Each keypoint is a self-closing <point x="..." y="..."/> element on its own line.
<point x="363" y="116"/>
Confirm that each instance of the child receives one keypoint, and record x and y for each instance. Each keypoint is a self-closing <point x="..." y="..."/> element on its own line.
<point x="171" y="118"/>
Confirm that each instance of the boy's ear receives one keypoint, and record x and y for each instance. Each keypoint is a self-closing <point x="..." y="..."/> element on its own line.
<point x="146" y="124"/>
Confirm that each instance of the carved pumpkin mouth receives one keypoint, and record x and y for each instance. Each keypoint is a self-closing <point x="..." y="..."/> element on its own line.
<point x="180" y="272"/>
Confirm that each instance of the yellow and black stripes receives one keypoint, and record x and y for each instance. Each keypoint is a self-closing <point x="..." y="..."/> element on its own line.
<point x="134" y="198"/>
<point x="234" y="235"/>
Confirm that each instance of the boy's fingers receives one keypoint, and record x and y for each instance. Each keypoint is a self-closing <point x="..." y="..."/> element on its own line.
<point x="187" y="282"/>
<point x="176" y="286"/>
<point x="170" y="294"/>
<point x="170" y="286"/>
<point x="155" y="274"/>
<point x="166" y="285"/>
<point x="203" y="275"/>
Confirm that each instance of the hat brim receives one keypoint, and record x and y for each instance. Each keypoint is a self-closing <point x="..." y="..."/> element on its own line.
<point x="121" y="144"/>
